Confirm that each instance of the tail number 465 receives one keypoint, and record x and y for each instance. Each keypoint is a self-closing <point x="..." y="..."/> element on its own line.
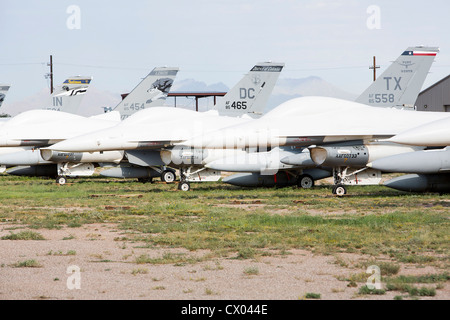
<point x="239" y="105"/>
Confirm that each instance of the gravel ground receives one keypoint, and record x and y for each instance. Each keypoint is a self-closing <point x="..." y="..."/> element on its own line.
<point x="108" y="270"/>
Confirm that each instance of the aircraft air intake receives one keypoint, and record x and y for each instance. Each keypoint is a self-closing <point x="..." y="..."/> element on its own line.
<point x="338" y="156"/>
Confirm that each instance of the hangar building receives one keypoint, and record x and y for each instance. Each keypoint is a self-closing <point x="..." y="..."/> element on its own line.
<point x="436" y="97"/>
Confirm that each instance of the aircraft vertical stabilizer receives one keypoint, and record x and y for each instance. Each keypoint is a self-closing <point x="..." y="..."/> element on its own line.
<point x="250" y="95"/>
<point x="150" y="92"/>
<point x="3" y="90"/>
<point x="68" y="96"/>
<point x="400" y="84"/>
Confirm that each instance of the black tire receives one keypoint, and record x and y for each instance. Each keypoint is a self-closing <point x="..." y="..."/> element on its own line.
<point x="168" y="176"/>
<point x="61" y="180"/>
<point x="340" y="190"/>
<point x="305" y="181"/>
<point x="184" y="186"/>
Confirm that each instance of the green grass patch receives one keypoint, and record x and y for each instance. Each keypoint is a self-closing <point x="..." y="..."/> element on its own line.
<point x="167" y="258"/>
<point x="24" y="235"/>
<point x="372" y="220"/>
<point x="27" y="264"/>
<point x="251" y="271"/>
<point x="366" y="290"/>
<point x="312" y="295"/>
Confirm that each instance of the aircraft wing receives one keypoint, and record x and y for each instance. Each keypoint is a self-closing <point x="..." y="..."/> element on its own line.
<point x="43" y="127"/>
<point x="149" y="129"/>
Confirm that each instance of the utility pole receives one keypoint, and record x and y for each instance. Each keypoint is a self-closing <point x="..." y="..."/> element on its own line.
<point x="374" y="67"/>
<point x="51" y="73"/>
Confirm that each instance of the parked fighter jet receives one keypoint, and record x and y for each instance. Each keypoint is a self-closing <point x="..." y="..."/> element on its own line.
<point x="394" y="83"/>
<point x="398" y="86"/>
<point x="40" y="128"/>
<point x="67" y="98"/>
<point x="341" y="128"/>
<point x="157" y="129"/>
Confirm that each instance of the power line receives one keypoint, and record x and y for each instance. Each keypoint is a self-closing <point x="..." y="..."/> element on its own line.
<point x="22" y="63"/>
<point x="102" y="67"/>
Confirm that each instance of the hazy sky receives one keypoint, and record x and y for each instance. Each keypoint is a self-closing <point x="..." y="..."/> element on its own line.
<point x="119" y="42"/>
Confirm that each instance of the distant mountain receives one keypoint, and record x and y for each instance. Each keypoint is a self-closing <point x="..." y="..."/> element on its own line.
<point x="92" y="103"/>
<point x="287" y="89"/>
<point x="36" y="101"/>
<point x="190" y="85"/>
<point x="96" y="99"/>
<point x="310" y="86"/>
<point x="284" y="90"/>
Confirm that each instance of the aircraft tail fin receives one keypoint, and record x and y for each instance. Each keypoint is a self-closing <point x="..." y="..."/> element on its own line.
<point x="68" y="96"/>
<point x="3" y="90"/>
<point x="400" y="84"/>
<point x="152" y="91"/>
<point x="250" y="95"/>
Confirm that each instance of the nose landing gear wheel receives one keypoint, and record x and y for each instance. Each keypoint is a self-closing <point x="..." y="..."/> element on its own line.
<point x="61" y="180"/>
<point x="339" y="190"/>
<point x="184" y="186"/>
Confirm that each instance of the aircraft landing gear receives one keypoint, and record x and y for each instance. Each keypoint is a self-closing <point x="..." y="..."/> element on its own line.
<point x="305" y="181"/>
<point x="168" y="176"/>
<point x="184" y="186"/>
<point x="61" y="180"/>
<point x="339" y="175"/>
<point x="339" y="190"/>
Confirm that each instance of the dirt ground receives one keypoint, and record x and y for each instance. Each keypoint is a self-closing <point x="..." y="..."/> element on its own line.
<point x="107" y="269"/>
